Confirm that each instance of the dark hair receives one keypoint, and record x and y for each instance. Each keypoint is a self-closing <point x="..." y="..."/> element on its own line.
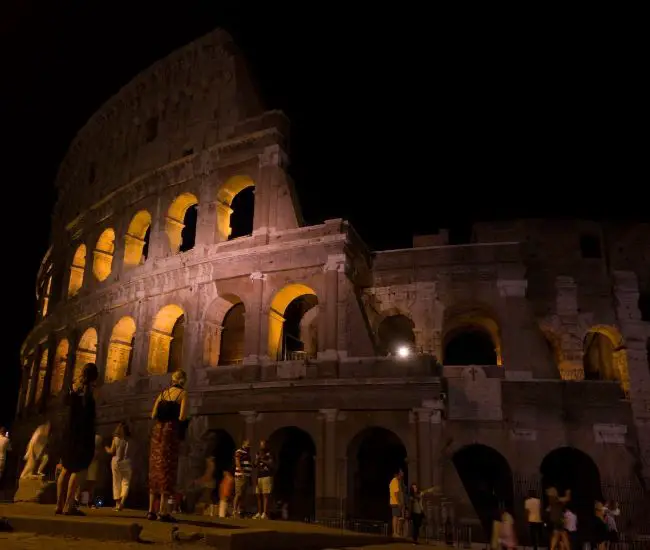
<point x="122" y="430"/>
<point x="89" y="373"/>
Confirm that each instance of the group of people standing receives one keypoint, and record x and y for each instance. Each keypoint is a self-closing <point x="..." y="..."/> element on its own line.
<point x="407" y="505"/>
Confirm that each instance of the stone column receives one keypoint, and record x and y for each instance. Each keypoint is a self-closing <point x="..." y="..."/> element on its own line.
<point x="327" y="474"/>
<point x="566" y="309"/>
<point x="104" y="333"/>
<point x="254" y="344"/>
<point x="421" y="422"/>
<point x="522" y="342"/>
<point x="51" y="358"/>
<point x="141" y="345"/>
<point x="633" y="330"/>
<point x="206" y="221"/>
<point x="266" y="190"/>
<point x="192" y="349"/>
<point x="157" y="236"/>
<point x="334" y="341"/>
<point x="250" y="419"/>
<point x="73" y="340"/>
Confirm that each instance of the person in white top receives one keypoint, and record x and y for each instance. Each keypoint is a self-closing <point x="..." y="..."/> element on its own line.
<point x="533" y="507"/>
<point x="120" y="464"/>
<point x="571" y="527"/>
<point x="5" y="445"/>
<point x="36" y="456"/>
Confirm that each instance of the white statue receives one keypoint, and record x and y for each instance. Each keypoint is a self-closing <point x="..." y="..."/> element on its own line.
<point x="36" y="454"/>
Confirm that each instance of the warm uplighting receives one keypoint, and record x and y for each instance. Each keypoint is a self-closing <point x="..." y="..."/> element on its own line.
<point x="403" y="352"/>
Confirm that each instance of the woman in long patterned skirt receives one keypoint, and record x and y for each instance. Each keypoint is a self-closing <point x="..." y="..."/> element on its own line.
<point x="169" y="411"/>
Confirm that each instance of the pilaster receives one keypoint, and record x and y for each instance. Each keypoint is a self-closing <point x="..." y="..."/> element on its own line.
<point x="328" y="484"/>
<point x="255" y="334"/>
<point x="250" y="420"/>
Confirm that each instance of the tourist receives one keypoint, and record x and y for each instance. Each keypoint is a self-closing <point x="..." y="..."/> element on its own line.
<point x="533" y="508"/>
<point x="78" y="439"/>
<point x="416" y="509"/>
<point x="36" y="456"/>
<point x="169" y="412"/>
<point x="610" y="512"/>
<point x="208" y="484"/>
<point x="120" y="464"/>
<point x="555" y="510"/>
<point x="396" y="490"/>
<point x="600" y="532"/>
<point x="225" y="492"/>
<point x="505" y="531"/>
<point x="5" y="447"/>
<point x="243" y="470"/>
<point x="264" y="485"/>
<point x="571" y="527"/>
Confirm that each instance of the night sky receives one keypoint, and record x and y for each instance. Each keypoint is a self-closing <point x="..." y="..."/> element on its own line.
<point x="401" y="122"/>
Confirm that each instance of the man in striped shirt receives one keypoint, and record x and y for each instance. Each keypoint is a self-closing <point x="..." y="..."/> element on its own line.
<point x="243" y="470"/>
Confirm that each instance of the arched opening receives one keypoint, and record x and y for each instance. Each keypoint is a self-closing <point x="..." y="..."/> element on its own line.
<point x="374" y="457"/>
<point x="86" y="351"/>
<point x="604" y="356"/>
<point x="469" y="346"/>
<point x="231" y="349"/>
<point x="45" y="295"/>
<point x="181" y="220"/>
<point x="103" y="255"/>
<point x="120" y="350"/>
<point x="395" y="332"/>
<point x="289" y="337"/>
<point x="77" y="270"/>
<point x="221" y="446"/>
<point x="42" y="371"/>
<point x="568" y="468"/>
<point x="294" y="481"/>
<point x="166" y="341"/>
<point x="59" y="366"/>
<point x="235" y="208"/>
<point x="136" y="241"/>
<point x="487" y="478"/>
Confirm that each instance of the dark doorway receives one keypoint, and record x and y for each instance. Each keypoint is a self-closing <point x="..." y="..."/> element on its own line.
<point x="188" y="234"/>
<point x="374" y="457"/>
<point x="487" y="478"/>
<point x="231" y="351"/>
<point x="394" y="332"/>
<point x="145" y="246"/>
<point x="222" y="447"/>
<point x="469" y="346"/>
<point x="294" y="481"/>
<point x="568" y="468"/>
<point x="243" y="210"/>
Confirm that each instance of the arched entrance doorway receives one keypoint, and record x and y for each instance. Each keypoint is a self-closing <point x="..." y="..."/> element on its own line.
<point x="569" y="468"/>
<point x="374" y="456"/>
<point x="294" y="482"/>
<point x="487" y="478"/>
<point x="221" y="446"/>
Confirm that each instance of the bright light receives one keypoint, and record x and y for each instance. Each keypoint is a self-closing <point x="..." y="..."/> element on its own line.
<point x="403" y="351"/>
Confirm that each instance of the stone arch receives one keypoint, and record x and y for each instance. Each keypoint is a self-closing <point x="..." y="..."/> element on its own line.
<point x="568" y="468"/>
<point x="227" y="226"/>
<point x="42" y="371"/>
<point x="470" y="336"/>
<point x="136" y="240"/>
<point x="233" y="333"/>
<point x="166" y="340"/>
<point x="374" y="456"/>
<point x="487" y="478"/>
<point x="59" y="366"/>
<point x="103" y="254"/>
<point x="86" y="351"/>
<point x="221" y="446"/>
<point x="180" y="224"/>
<point x="294" y="481"/>
<point x="604" y="355"/>
<point x="77" y="270"/>
<point x="120" y="350"/>
<point x="214" y="321"/>
<point x="288" y="307"/>
<point x="394" y="332"/>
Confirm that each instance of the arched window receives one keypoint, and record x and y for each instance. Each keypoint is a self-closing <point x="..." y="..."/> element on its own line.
<point x="235" y="208"/>
<point x="136" y="241"/>
<point x="166" y="341"/>
<point x="181" y="223"/>
<point x="103" y="255"/>
<point x="77" y="270"/>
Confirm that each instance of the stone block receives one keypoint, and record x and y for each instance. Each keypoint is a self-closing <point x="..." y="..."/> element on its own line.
<point x="36" y="490"/>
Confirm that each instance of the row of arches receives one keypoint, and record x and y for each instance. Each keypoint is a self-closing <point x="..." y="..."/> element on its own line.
<point x="473" y="340"/>
<point x="375" y="454"/>
<point x="235" y="206"/>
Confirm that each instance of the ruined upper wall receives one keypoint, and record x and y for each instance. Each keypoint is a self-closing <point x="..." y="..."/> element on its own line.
<point x="193" y="98"/>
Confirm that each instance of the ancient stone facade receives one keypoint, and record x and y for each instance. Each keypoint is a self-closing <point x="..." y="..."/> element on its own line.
<point x="300" y="335"/>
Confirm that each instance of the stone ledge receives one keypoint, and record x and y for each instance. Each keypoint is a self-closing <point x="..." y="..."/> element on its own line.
<point x="63" y="526"/>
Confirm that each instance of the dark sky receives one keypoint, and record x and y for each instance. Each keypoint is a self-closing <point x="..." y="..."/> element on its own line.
<point x="403" y="121"/>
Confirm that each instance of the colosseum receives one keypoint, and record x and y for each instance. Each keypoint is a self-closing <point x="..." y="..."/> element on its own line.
<point x="511" y="362"/>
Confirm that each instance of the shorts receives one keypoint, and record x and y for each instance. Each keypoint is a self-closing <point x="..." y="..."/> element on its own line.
<point x="264" y="485"/>
<point x="396" y="511"/>
<point x="241" y="485"/>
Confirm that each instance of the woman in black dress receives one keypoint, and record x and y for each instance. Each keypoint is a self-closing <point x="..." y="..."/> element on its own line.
<point x="78" y="439"/>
